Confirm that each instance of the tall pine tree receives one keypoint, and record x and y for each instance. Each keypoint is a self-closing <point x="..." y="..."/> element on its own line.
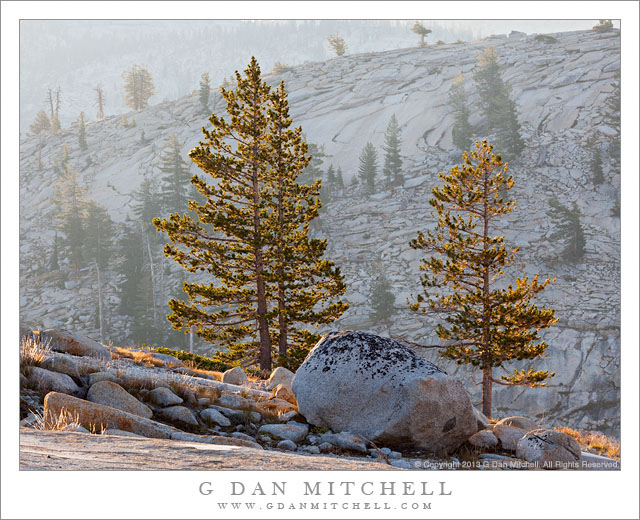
<point x="368" y="169"/>
<point x="175" y="178"/>
<point x="462" y="131"/>
<point x="205" y="90"/>
<point x="498" y="107"/>
<point x="138" y="87"/>
<point x="485" y="326"/>
<point x="568" y="234"/>
<point x="392" y="169"/>
<point x="82" y="133"/>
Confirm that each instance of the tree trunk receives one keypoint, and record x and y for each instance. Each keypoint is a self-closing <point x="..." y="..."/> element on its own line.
<point x="487" y="383"/>
<point x="153" y="286"/>
<point x="282" y="322"/>
<point x="95" y="262"/>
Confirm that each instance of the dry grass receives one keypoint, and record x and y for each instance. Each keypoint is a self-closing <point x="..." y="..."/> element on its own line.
<point x="64" y="419"/>
<point x="32" y="354"/>
<point x="192" y="365"/>
<point x="594" y="442"/>
<point x="139" y="357"/>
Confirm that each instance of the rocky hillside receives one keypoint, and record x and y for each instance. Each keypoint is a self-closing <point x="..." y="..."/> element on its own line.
<point x="560" y="89"/>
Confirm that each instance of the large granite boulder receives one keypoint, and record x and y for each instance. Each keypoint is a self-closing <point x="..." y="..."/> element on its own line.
<point x="47" y="381"/>
<point x="113" y="395"/>
<point x="381" y="389"/>
<point x="550" y="449"/>
<point x="71" y="343"/>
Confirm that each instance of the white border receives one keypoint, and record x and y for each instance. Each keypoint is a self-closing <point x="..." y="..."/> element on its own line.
<point x="174" y="494"/>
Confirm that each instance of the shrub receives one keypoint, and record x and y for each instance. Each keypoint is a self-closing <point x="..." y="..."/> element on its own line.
<point x="279" y="68"/>
<point x="594" y="442"/>
<point x="545" y="38"/>
<point x="603" y="26"/>
<point x="203" y="362"/>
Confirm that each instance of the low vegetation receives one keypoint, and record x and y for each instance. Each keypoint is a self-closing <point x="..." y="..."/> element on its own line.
<point x="197" y="361"/>
<point x="594" y="442"/>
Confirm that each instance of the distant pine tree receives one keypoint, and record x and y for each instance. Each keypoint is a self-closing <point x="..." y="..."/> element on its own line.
<point x="176" y="185"/>
<point x="138" y="87"/>
<point x="368" y="169"/>
<point x="568" y="234"/>
<point x="422" y="31"/>
<point x="205" y="90"/>
<point x="382" y="298"/>
<point x="595" y="163"/>
<point x="54" y="265"/>
<point x="611" y="118"/>
<point x="337" y="44"/>
<point x="82" y="133"/>
<point x="498" y="107"/>
<point x="340" y="180"/>
<point x="462" y="131"/>
<point x="313" y="172"/>
<point x="392" y="169"/>
<point x="41" y="124"/>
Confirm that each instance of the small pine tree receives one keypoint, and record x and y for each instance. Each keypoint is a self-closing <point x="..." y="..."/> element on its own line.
<point x="41" y="124"/>
<point x="54" y="264"/>
<point x="422" y="31"/>
<point x="392" y="169"/>
<point x="175" y="177"/>
<point x="337" y="44"/>
<point x="495" y="100"/>
<point x="615" y="209"/>
<point x="568" y="230"/>
<point x="331" y="182"/>
<point x="462" y="131"/>
<point x="595" y="162"/>
<point x="340" y="180"/>
<point x="100" y="100"/>
<point x="382" y="298"/>
<point x="603" y="26"/>
<point x="138" y="87"/>
<point x="82" y="133"/>
<point x="205" y="90"/>
<point x="368" y="169"/>
<point x="485" y="326"/>
<point x="313" y="172"/>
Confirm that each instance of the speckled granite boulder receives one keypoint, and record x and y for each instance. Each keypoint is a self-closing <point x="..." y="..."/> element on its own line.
<point x="381" y="389"/>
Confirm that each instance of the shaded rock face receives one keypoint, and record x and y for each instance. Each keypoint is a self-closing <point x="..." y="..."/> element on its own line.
<point x="378" y="388"/>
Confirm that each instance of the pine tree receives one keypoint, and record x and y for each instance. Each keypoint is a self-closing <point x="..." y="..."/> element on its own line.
<point x="307" y="284"/>
<point x="611" y="118"/>
<point x="238" y="236"/>
<point x="595" y="163"/>
<point x="382" y="298"/>
<point x="486" y="326"/>
<point x="337" y="44"/>
<point x="368" y="169"/>
<point x="340" y="180"/>
<point x="98" y="251"/>
<point x="41" y="124"/>
<point x="100" y="102"/>
<point x="422" y="31"/>
<point x="462" y="131"/>
<point x="175" y="177"/>
<point x="392" y="169"/>
<point x="82" y="133"/>
<point x="498" y="107"/>
<point x="54" y="264"/>
<point x="205" y="90"/>
<point x="53" y="99"/>
<point x="138" y="87"/>
<point x="71" y="205"/>
<point x="313" y="172"/>
<point x="331" y="179"/>
<point x="615" y="209"/>
<point x="568" y="234"/>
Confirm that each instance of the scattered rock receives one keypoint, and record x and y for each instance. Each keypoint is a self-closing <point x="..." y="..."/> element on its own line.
<point x="102" y="376"/>
<point x="113" y="395"/>
<point x="283" y="392"/>
<point x="519" y="421"/>
<point x="240" y="435"/>
<point x="214" y="439"/>
<point x="179" y="415"/>
<point x="61" y="364"/>
<point x="169" y="361"/>
<point x="164" y="397"/>
<point x="212" y="416"/>
<point x="484" y="439"/>
<point x="287" y="445"/>
<point x="325" y="447"/>
<point x="235" y="376"/>
<point x="204" y="401"/>
<point x="233" y="401"/>
<point x="291" y="431"/>
<point x="508" y="436"/>
<point x="64" y="341"/>
<point x="121" y="433"/>
<point x="403" y="400"/>
<point x="237" y="415"/>
<point x="280" y="376"/>
<point x="401" y="463"/>
<point x="47" y="381"/>
<point x="550" y="449"/>
<point x="345" y="441"/>
<point x="30" y="420"/>
<point x="290" y="415"/>
<point x="313" y="450"/>
<point x="75" y="427"/>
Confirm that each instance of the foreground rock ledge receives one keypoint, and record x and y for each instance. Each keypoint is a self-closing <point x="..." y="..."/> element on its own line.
<point x="382" y="390"/>
<point x="49" y="450"/>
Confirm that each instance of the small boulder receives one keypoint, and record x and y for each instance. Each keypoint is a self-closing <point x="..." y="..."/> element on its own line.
<point x="402" y="399"/>
<point x="62" y="364"/>
<point x="121" y="433"/>
<point x="292" y="431"/>
<point x="233" y="401"/>
<point x="244" y="436"/>
<point x="64" y="341"/>
<point x="102" y="376"/>
<point x="326" y="447"/>
<point x="180" y="415"/>
<point x="238" y="416"/>
<point x="164" y="397"/>
<point x="283" y="392"/>
<point x="344" y="441"/>
<point x="75" y="427"/>
<point x="235" y="376"/>
<point x="550" y="449"/>
<point x="508" y="435"/>
<point x="280" y="376"/>
<point x="113" y="395"/>
<point x="214" y="417"/>
<point x="484" y="439"/>
<point x="287" y="445"/>
<point x="169" y="361"/>
<point x="47" y="381"/>
<point x="519" y="421"/>
<point x="313" y="450"/>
